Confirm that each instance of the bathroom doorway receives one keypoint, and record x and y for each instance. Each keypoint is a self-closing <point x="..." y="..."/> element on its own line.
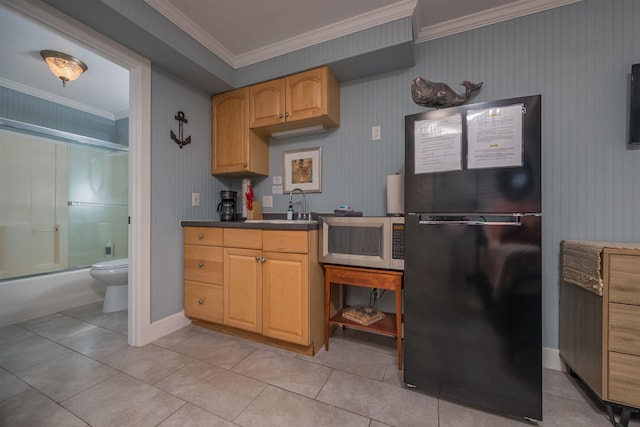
<point x="140" y="330"/>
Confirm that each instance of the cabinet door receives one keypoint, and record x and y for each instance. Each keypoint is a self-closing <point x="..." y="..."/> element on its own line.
<point x="306" y="95"/>
<point x="267" y="104"/>
<point x="286" y="297"/>
<point x="229" y="127"/>
<point x="243" y="289"/>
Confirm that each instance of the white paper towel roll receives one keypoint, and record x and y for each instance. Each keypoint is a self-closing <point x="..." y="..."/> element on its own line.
<point x="395" y="194"/>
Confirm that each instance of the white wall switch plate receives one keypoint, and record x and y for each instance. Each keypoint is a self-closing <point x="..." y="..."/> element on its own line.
<point x="277" y="180"/>
<point x="195" y="199"/>
<point x="267" y="201"/>
<point x="276" y="189"/>
<point x="375" y="133"/>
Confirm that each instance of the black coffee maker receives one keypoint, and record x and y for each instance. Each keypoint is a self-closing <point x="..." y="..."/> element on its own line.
<point x="227" y="205"/>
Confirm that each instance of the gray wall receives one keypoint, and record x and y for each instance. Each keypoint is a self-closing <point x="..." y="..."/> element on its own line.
<point x="175" y="174"/>
<point x="25" y="108"/>
<point x="577" y="57"/>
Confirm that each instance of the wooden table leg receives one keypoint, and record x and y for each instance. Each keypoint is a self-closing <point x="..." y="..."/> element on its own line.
<point x="327" y="307"/>
<point x="399" y="323"/>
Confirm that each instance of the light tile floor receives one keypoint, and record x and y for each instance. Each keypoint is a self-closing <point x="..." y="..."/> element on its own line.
<point x="75" y="368"/>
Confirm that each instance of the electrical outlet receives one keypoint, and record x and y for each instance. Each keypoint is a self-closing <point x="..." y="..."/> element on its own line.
<point x="267" y="201"/>
<point x="195" y="199"/>
<point x="375" y="133"/>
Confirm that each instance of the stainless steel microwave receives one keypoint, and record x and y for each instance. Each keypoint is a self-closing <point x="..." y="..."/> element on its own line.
<point x="376" y="242"/>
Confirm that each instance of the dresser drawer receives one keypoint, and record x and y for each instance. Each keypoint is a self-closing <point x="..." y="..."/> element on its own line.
<point x="204" y="264"/>
<point x="624" y="381"/>
<point x="210" y="236"/>
<point x="285" y="241"/>
<point x="624" y="285"/>
<point x="624" y="328"/>
<point x="205" y="302"/>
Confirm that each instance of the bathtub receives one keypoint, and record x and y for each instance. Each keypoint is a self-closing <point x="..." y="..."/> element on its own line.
<point x="31" y="297"/>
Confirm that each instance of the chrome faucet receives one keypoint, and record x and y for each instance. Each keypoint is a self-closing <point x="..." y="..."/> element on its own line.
<point x="305" y="214"/>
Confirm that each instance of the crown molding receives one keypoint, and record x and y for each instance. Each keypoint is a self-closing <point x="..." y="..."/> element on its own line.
<point x="182" y="21"/>
<point x="488" y="17"/>
<point x="365" y="21"/>
<point x="19" y="87"/>
<point x="376" y="17"/>
<point x="124" y="114"/>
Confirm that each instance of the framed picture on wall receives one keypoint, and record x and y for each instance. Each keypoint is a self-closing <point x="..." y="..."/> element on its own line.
<point x="303" y="170"/>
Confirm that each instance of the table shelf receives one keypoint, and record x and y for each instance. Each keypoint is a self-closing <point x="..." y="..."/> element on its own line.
<point x="342" y="275"/>
<point x="385" y="326"/>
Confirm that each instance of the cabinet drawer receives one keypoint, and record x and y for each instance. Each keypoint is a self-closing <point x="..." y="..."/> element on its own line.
<point x="286" y="241"/>
<point x="624" y="286"/>
<point x="242" y="238"/>
<point x="204" y="264"/>
<point x="211" y="236"/>
<point x="624" y="328"/>
<point x="624" y="381"/>
<point x="203" y="301"/>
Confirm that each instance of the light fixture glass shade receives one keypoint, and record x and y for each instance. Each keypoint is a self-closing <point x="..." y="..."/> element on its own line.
<point x="63" y="66"/>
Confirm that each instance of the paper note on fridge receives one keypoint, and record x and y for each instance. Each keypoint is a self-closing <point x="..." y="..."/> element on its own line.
<point x="494" y="137"/>
<point x="438" y="144"/>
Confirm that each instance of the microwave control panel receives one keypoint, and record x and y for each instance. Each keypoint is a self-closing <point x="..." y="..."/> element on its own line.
<point x="397" y="241"/>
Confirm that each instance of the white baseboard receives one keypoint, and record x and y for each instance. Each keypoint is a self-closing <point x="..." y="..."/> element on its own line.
<point x="551" y="359"/>
<point x="165" y="326"/>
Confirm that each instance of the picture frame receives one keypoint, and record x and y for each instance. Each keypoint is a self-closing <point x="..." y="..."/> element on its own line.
<point x="303" y="170"/>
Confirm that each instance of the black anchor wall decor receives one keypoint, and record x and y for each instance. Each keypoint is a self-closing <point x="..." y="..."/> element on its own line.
<point x="180" y="141"/>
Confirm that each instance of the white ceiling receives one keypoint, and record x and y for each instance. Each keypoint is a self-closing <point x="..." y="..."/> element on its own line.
<point x="240" y="32"/>
<point x="244" y="32"/>
<point x="102" y="90"/>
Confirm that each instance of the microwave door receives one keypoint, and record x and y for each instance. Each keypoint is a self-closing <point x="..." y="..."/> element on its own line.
<point x="356" y="240"/>
<point x="357" y="245"/>
<point x="362" y="242"/>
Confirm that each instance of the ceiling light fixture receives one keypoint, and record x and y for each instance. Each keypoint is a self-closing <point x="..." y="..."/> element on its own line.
<point x="63" y="66"/>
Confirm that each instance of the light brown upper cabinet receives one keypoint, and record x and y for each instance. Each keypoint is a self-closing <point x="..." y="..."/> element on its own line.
<point x="300" y="100"/>
<point x="236" y="150"/>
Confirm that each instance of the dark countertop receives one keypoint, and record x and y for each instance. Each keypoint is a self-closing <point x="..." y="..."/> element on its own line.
<point x="288" y="225"/>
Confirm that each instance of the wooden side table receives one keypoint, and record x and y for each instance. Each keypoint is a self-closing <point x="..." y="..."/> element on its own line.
<point x="390" y="325"/>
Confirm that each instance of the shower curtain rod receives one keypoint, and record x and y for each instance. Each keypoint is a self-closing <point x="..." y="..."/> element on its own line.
<point x="15" y="124"/>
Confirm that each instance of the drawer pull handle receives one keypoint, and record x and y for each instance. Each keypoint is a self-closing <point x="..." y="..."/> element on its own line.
<point x="257" y="258"/>
<point x="200" y="264"/>
<point x="200" y="301"/>
<point x="200" y="236"/>
<point x="262" y="260"/>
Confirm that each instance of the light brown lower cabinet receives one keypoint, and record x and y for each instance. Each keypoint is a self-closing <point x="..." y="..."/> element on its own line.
<point x="285" y="288"/>
<point x="203" y="273"/>
<point x="600" y="334"/>
<point x="272" y="285"/>
<point x="243" y="289"/>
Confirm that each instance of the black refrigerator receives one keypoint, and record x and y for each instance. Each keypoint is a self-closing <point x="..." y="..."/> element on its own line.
<point x="472" y="279"/>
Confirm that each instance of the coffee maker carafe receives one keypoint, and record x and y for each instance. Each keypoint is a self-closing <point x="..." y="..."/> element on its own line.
<point x="227" y="206"/>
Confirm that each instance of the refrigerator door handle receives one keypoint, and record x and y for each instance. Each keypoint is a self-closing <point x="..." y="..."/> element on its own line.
<point x="502" y="220"/>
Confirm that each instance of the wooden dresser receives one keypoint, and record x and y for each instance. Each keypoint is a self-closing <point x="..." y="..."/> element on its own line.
<point x="600" y="322"/>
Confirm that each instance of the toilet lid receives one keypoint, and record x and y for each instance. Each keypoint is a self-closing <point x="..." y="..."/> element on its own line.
<point x="110" y="265"/>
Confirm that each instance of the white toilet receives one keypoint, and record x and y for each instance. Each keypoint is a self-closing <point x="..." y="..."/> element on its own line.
<point x="115" y="275"/>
